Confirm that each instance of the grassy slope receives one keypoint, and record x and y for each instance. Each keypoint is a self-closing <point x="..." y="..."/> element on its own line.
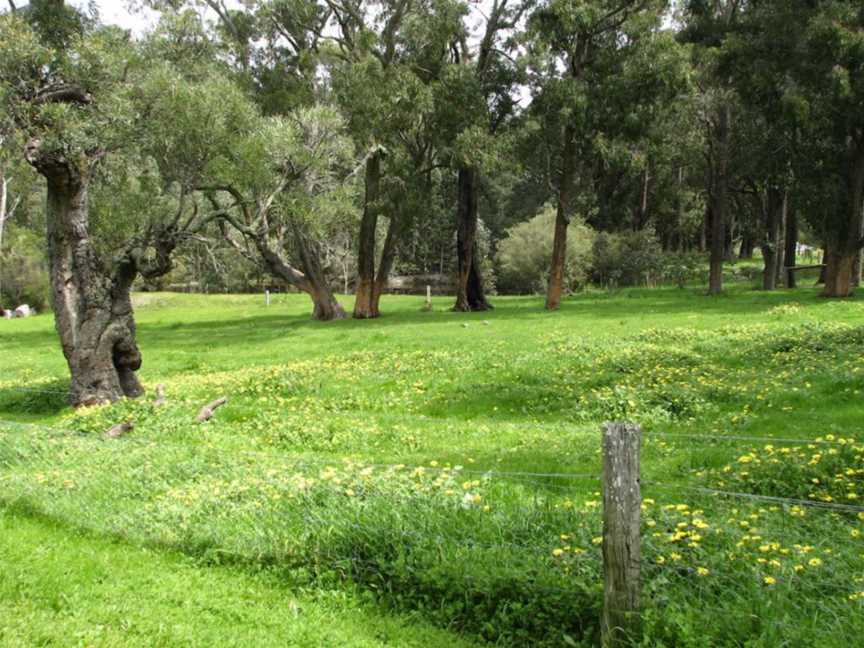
<point x="515" y="389"/>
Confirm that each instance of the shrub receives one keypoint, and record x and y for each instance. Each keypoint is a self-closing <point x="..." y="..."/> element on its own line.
<point x="626" y="259"/>
<point x="683" y="268"/>
<point x="23" y="270"/>
<point x="524" y="256"/>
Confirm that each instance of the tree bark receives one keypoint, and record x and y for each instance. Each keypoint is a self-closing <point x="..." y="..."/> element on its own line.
<point x="470" y="295"/>
<point x="365" y="288"/>
<point x="844" y="245"/>
<point x="791" y="245"/>
<point x="4" y="184"/>
<point x="774" y="215"/>
<point x="388" y="256"/>
<point x="311" y="281"/>
<point x="92" y="306"/>
<point x="720" y="207"/>
<point x="562" y="220"/>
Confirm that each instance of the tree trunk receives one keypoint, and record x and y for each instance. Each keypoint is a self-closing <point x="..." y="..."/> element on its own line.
<point x="640" y="217"/>
<point x="774" y="209"/>
<point x="363" y="300"/>
<point x="92" y="308"/>
<point x="856" y="269"/>
<point x="326" y="307"/>
<point x="311" y="281"/>
<point x="729" y="240"/>
<point x="562" y="220"/>
<point x="845" y="244"/>
<point x="823" y="272"/>
<point x="718" y="236"/>
<point x="838" y="273"/>
<point x="388" y="256"/>
<point x="4" y="184"/>
<point x="469" y="283"/>
<point x="720" y="206"/>
<point x="791" y="245"/>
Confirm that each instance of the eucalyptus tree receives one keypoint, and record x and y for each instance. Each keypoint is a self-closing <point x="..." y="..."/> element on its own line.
<point x="812" y="84"/>
<point x="381" y="79"/>
<point x="607" y="67"/>
<point x="69" y="86"/>
<point x="482" y="83"/>
<point x="283" y="180"/>
<point x="707" y="25"/>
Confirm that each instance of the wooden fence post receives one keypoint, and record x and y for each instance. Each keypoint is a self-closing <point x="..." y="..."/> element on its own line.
<point x="622" y="502"/>
<point x="267" y="297"/>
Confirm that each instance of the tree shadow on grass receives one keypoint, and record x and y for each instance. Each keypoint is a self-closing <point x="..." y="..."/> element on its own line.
<point x="41" y="399"/>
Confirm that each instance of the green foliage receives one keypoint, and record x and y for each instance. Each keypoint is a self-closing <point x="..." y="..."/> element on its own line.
<point x="23" y="269"/>
<point x="299" y="473"/>
<point x="524" y="256"/>
<point x="626" y="259"/>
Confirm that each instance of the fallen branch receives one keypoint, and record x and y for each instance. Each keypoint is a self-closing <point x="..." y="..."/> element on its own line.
<point x="119" y="430"/>
<point x="207" y="411"/>
<point x="160" y="396"/>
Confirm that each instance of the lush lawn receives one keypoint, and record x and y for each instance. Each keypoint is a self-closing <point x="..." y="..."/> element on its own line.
<point x="356" y="456"/>
<point x="63" y="588"/>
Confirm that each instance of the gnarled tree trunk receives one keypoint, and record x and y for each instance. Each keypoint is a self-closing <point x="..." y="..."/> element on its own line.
<point x="562" y="220"/>
<point x="311" y="281"/>
<point x="470" y="295"/>
<point x="92" y="306"/>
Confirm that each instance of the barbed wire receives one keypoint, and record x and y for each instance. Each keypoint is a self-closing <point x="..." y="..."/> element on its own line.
<point x="528" y="476"/>
<point x="848" y="508"/>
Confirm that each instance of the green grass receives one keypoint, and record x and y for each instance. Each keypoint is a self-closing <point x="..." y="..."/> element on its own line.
<point x="295" y="476"/>
<point x="63" y="588"/>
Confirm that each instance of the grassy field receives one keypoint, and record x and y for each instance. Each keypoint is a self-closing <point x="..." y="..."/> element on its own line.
<point x="387" y="477"/>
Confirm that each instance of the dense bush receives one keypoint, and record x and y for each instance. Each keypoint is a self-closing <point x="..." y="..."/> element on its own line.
<point x="627" y="259"/>
<point x="524" y="256"/>
<point x="680" y="269"/>
<point x="23" y="270"/>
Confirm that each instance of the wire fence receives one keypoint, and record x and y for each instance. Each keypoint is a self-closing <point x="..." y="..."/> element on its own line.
<point x="561" y="482"/>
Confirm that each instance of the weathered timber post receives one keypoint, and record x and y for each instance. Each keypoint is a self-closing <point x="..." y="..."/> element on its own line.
<point x="622" y="553"/>
<point x="428" y="296"/>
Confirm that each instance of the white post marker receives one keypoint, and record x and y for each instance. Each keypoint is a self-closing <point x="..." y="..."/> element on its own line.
<point x="267" y="296"/>
<point x="428" y="296"/>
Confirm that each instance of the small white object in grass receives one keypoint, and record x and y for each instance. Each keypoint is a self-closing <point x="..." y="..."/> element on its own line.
<point x="485" y="322"/>
<point x="464" y="325"/>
